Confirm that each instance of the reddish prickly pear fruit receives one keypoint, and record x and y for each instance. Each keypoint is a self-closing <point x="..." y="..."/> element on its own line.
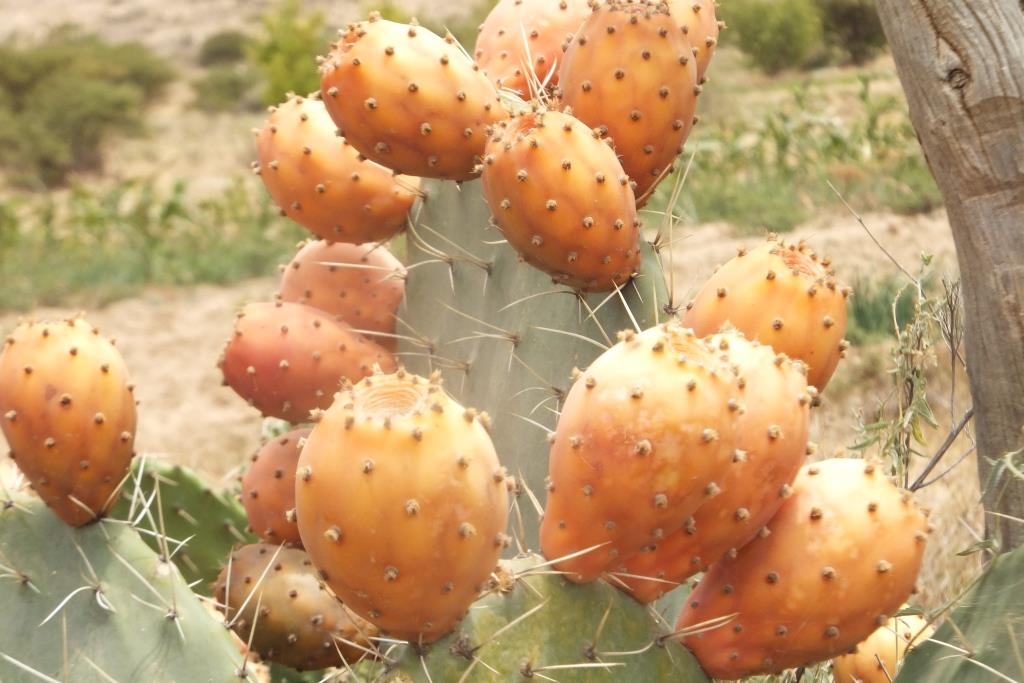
<point x="839" y="558"/>
<point x="268" y="489"/>
<point x="630" y="73"/>
<point x="409" y="99"/>
<point x="520" y="35"/>
<point x="402" y="504"/>
<point x="68" y="414"/>
<point x="273" y="595"/>
<point x="782" y="295"/>
<point x="562" y="201"/>
<point x="644" y="437"/>
<point x="878" y="659"/>
<point x="288" y="359"/>
<point x="699" y="21"/>
<point x="771" y="446"/>
<point x="323" y="184"/>
<point x="361" y="284"/>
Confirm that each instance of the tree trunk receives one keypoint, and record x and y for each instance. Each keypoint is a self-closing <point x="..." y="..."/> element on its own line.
<point x="962" y="66"/>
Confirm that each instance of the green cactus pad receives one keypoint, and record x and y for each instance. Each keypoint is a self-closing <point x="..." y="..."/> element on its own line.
<point x="467" y="289"/>
<point x="985" y="634"/>
<point x="96" y="604"/>
<point x="210" y="522"/>
<point x="537" y="623"/>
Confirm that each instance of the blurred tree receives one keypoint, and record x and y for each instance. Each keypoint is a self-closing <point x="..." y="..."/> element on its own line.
<point x="965" y="87"/>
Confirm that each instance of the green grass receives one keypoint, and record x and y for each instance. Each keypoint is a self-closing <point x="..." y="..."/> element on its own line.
<point x="767" y="168"/>
<point x="92" y="247"/>
<point x="878" y="308"/>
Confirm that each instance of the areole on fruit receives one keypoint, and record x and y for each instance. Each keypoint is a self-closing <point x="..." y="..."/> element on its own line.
<point x="402" y="504"/>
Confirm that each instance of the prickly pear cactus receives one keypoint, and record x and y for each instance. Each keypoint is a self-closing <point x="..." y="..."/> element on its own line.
<point x="503" y="335"/>
<point x="177" y="513"/>
<point x="980" y="642"/>
<point x="96" y="604"/>
<point x="533" y="624"/>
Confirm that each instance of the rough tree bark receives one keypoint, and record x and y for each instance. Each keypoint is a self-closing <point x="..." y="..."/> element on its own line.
<point x="962" y="66"/>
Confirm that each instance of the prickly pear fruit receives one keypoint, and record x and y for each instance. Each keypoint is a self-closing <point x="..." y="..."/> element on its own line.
<point x="779" y="294"/>
<point x="288" y="359"/>
<point x="268" y="489"/>
<point x="842" y="555"/>
<point x="771" y="446"/>
<point x="402" y="504"/>
<point x="409" y="99"/>
<point x="644" y="437"/>
<point x="361" y="284"/>
<point x="322" y="183"/>
<point x="699" y="21"/>
<point x="273" y="595"/>
<point x="630" y="72"/>
<point x="520" y="35"/>
<point x="562" y="201"/>
<point x="68" y="414"/>
<point x="878" y="659"/>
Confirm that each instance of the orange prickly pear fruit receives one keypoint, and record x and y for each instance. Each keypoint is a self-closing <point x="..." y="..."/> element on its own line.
<point x="842" y="555"/>
<point x="519" y="35"/>
<point x="699" y="21"/>
<point x="878" y="659"/>
<point x="273" y="596"/>
<point x="402" y="504"/>
<point x="409" y="99"/>
<point x="779" y="294"/>
<point x="644" y="437"/>
<point x="562" y="201"/>
<point x="771" y="445"/>
<point x="322" y="183"/>
<point x="288" y="359"/>
<point x="360" y="284"/>
<point x="630" y="73"/>
<point x="68" y="414"/>
<point x="268" y="489"/>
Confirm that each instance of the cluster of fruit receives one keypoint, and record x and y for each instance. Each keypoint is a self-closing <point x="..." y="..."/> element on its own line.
<point x="679" y="450"/>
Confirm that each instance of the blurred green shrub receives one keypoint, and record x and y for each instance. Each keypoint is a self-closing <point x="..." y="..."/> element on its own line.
<point x="853" y="29"/>
<point x="224" y="47"/>
<point x="91" y="246"/>
<point x="878" y="308"/>
<point x="284" y="51"/>
<point x="768" y="172"/>
<point x="775" y="34"/>
<point x="227" y="88"/>
<point x="60" y="99"/>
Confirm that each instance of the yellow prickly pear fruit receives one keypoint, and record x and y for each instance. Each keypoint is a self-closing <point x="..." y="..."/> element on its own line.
<point x="68" y="414"/>
<point x="272" y="598"/>
<point x="402" y="504"/>
<point x="409" y="99"/>
<point x="779" y="294"/>
<point x="644" y="437"/>
<point x="771" y="446"/>
<point x="699" y="21"/>
<point x="523" y="35"/>
<point x="630" y="73"/>
<point x="287" y="359"/>
<point x="268" y="489"/>
<point x="839" y="558"/>
<point x="562" y="200"/>
<point x="322" y="183"/>
<point x="877" y="659"/>
<point x="360" y="284"/>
